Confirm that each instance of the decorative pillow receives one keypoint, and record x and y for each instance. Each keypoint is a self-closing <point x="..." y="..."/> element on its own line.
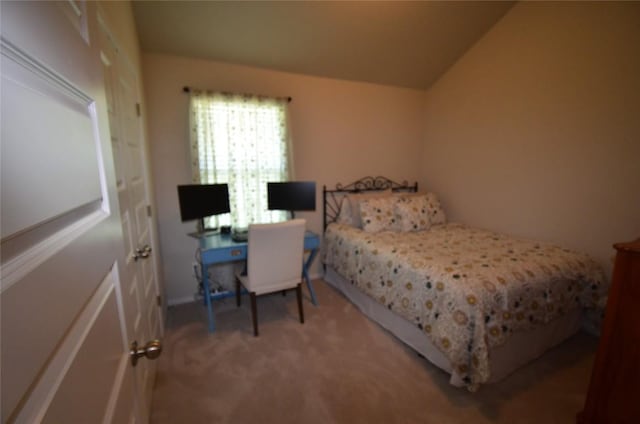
<point x="436" y="213"/>
<point x="378" y="214"/>
<point x="412" y="213"/>
<point x="356" y="198"/>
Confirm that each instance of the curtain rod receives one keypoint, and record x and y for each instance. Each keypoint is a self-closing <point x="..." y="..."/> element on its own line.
<point x="187" y="89"/>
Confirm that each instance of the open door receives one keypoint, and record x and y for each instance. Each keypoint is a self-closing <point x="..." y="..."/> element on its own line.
<point x="75" y="286"/>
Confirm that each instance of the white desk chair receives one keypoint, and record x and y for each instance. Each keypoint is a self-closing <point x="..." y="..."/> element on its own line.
<point x="274" y="262"/>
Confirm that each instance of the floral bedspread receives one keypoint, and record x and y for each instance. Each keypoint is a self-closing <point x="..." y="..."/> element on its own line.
<point x="467" y="289"/>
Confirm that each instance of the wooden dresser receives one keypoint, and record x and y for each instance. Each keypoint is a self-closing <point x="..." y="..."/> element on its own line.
<point x="614" y="390"/>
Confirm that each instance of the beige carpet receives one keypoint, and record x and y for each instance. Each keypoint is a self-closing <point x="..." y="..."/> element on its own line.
<point x="339" y="367"/>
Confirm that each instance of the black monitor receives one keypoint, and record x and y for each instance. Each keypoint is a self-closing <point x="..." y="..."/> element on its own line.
<point x="198" y="201"/>
<point x="292" y="196"/>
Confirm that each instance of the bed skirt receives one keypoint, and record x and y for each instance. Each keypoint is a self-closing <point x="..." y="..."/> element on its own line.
<point x="520" y="349"/>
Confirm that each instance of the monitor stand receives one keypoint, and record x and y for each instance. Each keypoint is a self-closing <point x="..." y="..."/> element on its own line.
<point x="205" y="233"/>
<point x="201" y="231"/>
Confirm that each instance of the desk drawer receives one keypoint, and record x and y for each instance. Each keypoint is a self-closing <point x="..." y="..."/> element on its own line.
<point x="225" y="254"/>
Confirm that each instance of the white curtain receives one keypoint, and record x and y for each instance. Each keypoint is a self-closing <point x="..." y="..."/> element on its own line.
<point x="241" y="140"/>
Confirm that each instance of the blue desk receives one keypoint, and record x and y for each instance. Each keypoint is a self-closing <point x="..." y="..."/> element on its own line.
<point x="220" y="248"/>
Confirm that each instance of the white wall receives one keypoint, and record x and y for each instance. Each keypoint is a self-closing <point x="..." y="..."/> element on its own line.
<point x="341" y="130"/>
<point x="536" y="130"/>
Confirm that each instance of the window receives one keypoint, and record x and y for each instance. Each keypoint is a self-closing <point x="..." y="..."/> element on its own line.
<point x="243" y="141"/>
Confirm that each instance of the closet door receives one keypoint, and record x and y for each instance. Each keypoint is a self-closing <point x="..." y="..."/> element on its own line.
<point x="139" y="285"/>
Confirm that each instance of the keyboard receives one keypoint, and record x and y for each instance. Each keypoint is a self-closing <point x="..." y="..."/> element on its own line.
<point x="240" y="237"/>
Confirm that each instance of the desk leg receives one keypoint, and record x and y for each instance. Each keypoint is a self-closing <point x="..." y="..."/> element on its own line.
<point x="305" y="274"/>
<point x="207" y="298"/>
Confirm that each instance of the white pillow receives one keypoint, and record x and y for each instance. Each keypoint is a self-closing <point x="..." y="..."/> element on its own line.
<point x="345" y="216"/>
<point x="405" y="194"/>
<point x="378" y="214"/>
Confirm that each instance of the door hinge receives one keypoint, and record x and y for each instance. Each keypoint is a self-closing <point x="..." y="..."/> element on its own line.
<point x="138" y="110"/>
<point x="149" y="211"/>
<point x="159" y="300"/>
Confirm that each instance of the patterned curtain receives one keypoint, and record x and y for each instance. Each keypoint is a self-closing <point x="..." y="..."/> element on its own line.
<point x="241" y="140"/>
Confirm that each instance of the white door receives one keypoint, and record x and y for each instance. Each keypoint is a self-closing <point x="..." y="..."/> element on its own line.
<point x="139" y="287"/>
<point x="67" y="318"/>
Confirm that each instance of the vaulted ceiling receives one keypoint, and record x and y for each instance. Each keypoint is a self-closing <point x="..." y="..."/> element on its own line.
<point x="399" y="43"/>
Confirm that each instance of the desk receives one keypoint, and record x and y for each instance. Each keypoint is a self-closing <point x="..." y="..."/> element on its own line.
<point x="220" y="248"/>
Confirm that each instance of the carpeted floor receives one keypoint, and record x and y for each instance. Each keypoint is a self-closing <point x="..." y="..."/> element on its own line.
<point x="339" y="367"/>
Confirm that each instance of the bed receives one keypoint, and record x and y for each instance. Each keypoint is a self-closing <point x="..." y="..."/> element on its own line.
<point x="475" y="303"/>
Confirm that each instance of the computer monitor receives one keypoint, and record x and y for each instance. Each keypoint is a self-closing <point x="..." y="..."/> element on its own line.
<point x="198" y="201"/>
<point x="291" y="196"/>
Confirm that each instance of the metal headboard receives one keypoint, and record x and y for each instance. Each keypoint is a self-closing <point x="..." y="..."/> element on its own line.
<point x="332" y="198"/>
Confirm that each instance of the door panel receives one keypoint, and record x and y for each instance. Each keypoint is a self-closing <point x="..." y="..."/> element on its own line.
<point x="90" y="348"/>
<point x="32" y="92"/>
<point x="73" y="402"/>
<point x="38" y="310"/>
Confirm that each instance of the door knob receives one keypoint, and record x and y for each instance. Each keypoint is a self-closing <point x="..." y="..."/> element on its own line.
<point x="142" y="253"/>
<point x="151" y="350"/>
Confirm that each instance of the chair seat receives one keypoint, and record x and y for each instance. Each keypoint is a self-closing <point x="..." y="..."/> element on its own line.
<point x="267" y="287"/>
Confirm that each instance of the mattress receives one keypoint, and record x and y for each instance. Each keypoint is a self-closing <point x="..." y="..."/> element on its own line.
<point x="476" y="303"/>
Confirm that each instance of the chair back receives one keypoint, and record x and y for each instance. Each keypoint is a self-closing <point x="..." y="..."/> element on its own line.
<point x="274" y="257"/>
